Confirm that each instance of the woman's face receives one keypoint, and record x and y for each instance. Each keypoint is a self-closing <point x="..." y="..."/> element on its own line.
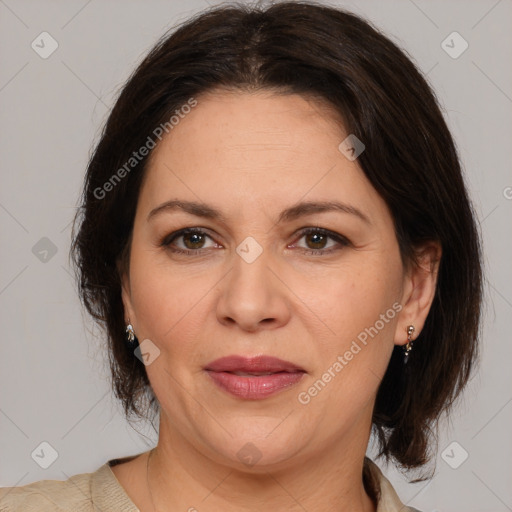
<point x="254" y="171"/>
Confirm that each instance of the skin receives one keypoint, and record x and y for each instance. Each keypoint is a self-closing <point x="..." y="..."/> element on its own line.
<point x="252" y="155"/>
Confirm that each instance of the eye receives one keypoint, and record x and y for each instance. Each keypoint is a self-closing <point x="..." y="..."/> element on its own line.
<point x="192" y="241"/>
<point x="317" y="241"/>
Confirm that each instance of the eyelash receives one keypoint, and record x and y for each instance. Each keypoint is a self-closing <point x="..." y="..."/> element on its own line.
<point x="167" y="241"/>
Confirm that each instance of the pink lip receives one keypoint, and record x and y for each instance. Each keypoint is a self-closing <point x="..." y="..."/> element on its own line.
<point x="283" y="374"/>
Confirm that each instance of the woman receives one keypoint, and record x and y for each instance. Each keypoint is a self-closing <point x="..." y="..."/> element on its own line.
<point x="276" y="235"/>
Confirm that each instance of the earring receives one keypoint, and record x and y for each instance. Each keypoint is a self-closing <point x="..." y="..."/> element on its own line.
<point x="408" y="346"/>
<point x="130" y="333"/>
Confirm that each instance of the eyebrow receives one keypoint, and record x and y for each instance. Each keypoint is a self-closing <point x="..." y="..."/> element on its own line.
<point x="294" y="212"/>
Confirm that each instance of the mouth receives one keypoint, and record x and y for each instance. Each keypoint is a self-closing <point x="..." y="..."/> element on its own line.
<point x="253" y="378"/>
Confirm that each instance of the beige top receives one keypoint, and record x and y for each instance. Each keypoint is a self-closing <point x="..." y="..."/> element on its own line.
<point x="100" y="491"/>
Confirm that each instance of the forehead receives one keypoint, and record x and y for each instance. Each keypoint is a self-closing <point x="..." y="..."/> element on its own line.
<point x="259" y="149"/>
<point x="236" y="121"/>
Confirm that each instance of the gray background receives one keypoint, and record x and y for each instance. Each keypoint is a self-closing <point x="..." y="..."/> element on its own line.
<point x="53" y="373"/>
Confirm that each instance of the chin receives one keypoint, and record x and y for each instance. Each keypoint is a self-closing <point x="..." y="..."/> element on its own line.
<point x="258" y="450"/>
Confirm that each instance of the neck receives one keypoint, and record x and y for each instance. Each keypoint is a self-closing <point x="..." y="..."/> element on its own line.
<point x="182" y="478"/>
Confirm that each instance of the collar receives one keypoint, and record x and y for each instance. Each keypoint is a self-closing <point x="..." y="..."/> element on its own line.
<point x="387" y="498"/>
<point x="106" y="489"/>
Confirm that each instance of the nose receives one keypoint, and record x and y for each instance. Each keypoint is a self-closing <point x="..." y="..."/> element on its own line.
<point x="252" y="296"/>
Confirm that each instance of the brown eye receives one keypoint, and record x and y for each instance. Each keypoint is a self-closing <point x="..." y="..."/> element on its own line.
<point x="317" y="240"/>
<point x="188" y="241"/>
<point x="193" y="240"/>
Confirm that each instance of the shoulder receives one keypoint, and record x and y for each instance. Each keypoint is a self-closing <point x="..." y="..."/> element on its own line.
<point x="85" y="492"/>
<point x="388" y="500"/>
<point x="49" y="495"/>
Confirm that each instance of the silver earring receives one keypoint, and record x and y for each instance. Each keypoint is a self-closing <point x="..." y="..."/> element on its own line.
<point x="408" y="346"/>
<point x="130" y="333"/>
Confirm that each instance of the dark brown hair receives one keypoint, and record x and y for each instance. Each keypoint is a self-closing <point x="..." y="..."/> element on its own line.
<point x="410" y="159"/>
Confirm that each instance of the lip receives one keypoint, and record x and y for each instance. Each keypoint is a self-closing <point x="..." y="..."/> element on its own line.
<point x="256" y="364"/>
<point x="266" y="375"/>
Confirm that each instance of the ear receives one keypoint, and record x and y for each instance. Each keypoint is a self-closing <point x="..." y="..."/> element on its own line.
<point x="124" y="276"/>
<point x="419" y="289"/>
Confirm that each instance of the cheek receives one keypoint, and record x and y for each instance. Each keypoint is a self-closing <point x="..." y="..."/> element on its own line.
<point x="354" y="298"/>
<point x="360" y="306"/>
<point x="352" y="361"/>
<point x="164" y="299"/>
